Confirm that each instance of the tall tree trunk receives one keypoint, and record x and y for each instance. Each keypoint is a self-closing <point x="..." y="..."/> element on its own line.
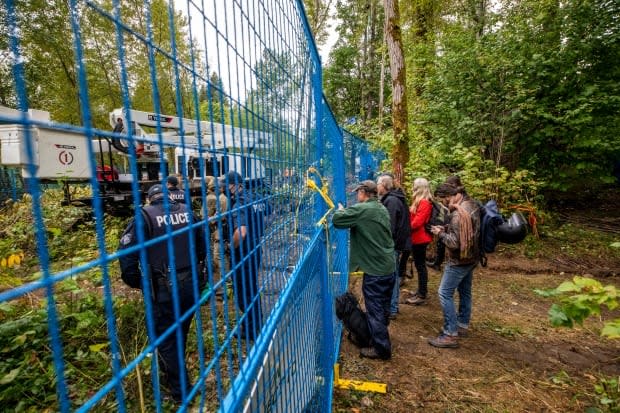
<point x="478" y="13"/>
<point x="382" y="86"/>
<point x="364" y="73"/>
<point x="370" y="61"/>
<point x="393" y="36"/>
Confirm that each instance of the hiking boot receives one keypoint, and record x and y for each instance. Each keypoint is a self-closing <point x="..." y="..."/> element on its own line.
<point x="463" y="332"/>
<point x="444" y="341"/>
<point x="416" y="299"/>
<point x="433" y="265"/>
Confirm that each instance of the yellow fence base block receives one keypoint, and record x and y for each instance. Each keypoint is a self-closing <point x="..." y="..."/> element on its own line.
<point x="357" y="384"/>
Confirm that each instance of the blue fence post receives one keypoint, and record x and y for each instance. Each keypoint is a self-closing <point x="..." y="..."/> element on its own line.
<point x="327" y="359"/>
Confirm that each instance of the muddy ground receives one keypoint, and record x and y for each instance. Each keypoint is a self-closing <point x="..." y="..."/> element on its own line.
<point x="513" y="360"/>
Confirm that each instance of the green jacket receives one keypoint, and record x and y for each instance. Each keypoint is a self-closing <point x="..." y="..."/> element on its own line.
<point x="372" y="247"/>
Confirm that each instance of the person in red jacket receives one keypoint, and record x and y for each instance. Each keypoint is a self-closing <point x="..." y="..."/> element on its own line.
<point x="419" y="215"/>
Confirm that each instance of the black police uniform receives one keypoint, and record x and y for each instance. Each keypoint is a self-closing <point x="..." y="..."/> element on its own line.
<point x="251" y="214"/>
<point x="155" y="221"/>
<point x="177" y="195"/>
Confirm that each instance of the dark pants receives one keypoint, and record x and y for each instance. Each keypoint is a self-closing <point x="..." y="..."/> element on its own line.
<point x="246" y="293"/>
<point x="419" y="260"/>
<point x="377" y="290"/>
<point x="402" y="263"/>
<point x="441" y="253"/>
<point x="167" y="351"/>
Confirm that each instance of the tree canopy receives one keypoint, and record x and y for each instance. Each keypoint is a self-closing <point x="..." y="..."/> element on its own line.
<point x="500" y="92"/>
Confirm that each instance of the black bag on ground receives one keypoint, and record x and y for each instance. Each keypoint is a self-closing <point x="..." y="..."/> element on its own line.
<point x="354" y="319"/>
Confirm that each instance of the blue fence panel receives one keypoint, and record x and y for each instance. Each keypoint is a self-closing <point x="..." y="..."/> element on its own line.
<point x="233" y="293"/>
<point x="361" y="161"/>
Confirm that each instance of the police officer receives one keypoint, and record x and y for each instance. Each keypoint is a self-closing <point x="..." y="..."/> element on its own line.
<point x="174" y="193"/>
<point x="156" y="221"/>
<point x="247" y="222"/>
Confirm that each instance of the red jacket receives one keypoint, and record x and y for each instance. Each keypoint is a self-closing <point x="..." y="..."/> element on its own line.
<point x="417" y="220"/>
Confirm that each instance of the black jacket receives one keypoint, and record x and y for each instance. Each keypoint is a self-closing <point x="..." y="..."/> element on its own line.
<point x="396" y="204"/>
<point x="155" y="221"/>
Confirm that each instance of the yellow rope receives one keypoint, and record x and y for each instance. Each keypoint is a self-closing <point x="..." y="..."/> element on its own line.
<point x="323" y="191"/>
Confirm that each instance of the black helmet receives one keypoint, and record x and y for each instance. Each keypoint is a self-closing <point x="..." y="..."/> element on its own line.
<point x="513" y="230"/>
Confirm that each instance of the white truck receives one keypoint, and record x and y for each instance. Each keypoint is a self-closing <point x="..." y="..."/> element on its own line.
<point x="60" y="151"/>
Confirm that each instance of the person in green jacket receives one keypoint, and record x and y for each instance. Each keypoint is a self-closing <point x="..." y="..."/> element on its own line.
<point x="372" y="252"/>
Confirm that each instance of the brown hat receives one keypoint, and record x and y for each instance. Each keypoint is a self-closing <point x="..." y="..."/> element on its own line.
<point x="368" y="186"/>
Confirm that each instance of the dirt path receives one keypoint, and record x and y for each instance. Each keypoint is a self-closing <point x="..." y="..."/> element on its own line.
<point x="512" y="361"/>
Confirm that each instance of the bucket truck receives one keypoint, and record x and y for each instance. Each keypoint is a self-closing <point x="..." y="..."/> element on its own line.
<point x="60" y="151"/>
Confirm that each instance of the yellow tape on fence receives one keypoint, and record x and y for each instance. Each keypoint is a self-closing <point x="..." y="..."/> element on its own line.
<point x="323" y="191"/>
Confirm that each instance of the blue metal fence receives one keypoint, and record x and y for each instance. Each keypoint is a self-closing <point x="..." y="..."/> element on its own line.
<point x="241" y="82"/>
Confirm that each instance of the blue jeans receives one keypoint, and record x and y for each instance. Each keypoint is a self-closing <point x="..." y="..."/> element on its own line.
<point x="456" y="277"/>
<point x="377" y="290"/>
<point x="396" y="290"/>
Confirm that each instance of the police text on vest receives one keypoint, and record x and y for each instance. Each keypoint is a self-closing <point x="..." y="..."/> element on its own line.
<point x="173" y="219"/>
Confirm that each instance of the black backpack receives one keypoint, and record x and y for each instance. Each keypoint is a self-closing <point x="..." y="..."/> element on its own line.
<point x="439" y="215"/>
<point x="354" y="319"/>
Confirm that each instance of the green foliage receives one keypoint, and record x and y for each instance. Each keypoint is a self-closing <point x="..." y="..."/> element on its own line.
<point x="26" y="367"/>
<point x="352" y="77"/>
<point x="525" y="93"/>
<point x="528" y="93"/>
<point x="70" y="231"/>
<point x="26" y="363"/>
<point x="579" y="299"/>
<point x="608" y="392"/>
<point x="318" y="12"/>
<point x="51" y="70"/>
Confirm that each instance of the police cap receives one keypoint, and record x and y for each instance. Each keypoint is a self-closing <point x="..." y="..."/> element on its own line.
<point x="172" y="180"/>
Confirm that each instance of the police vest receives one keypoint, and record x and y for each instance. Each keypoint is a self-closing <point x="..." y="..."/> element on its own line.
<point x="158" y="220"/>
<point x="252" y="216"/>
<point x="177" y="195"/>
